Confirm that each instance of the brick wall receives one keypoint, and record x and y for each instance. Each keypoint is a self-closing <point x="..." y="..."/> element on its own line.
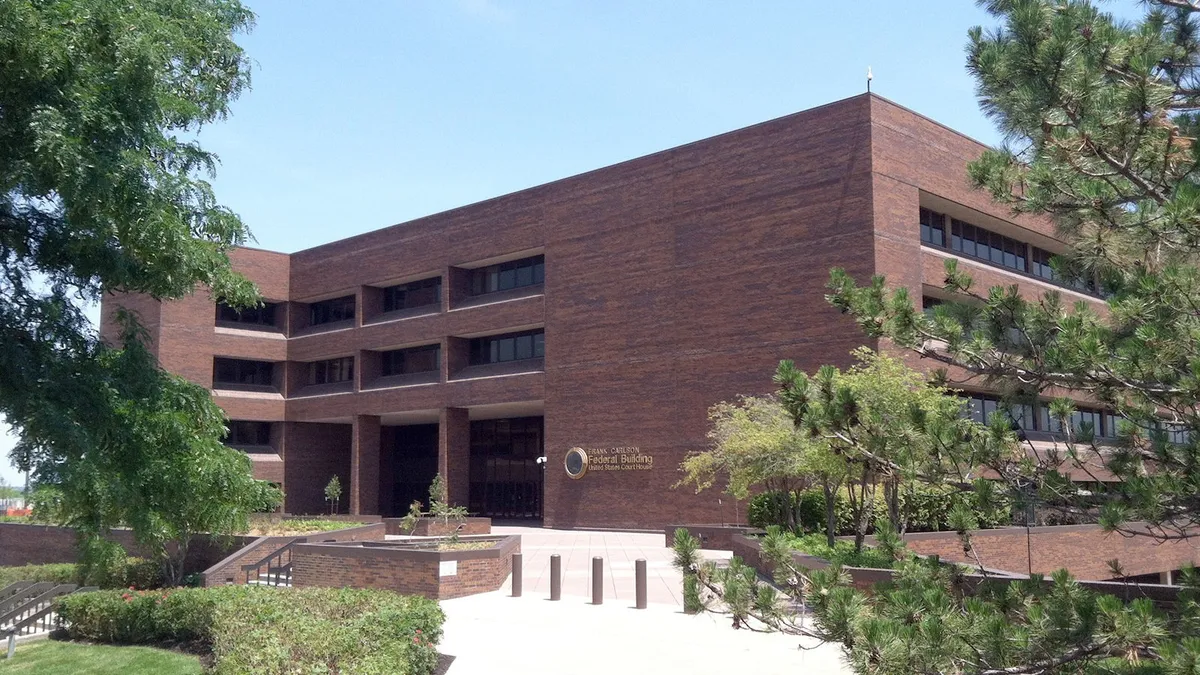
<point x="1083" y="549"/>
<point x="22" y="544"/>
<point x="314" y="453"/>
<point x="434" y="527"/>
<point x="406" y="571"/>
<point x="229" y="569"/>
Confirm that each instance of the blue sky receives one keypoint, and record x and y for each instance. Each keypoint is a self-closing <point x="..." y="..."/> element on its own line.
<point x="364" y="114"/>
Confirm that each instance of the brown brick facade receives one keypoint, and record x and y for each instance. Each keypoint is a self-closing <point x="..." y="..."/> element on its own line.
<point x="672" y="282"/>
<point x="229" y="570"/>
<point x="406" y="571"/>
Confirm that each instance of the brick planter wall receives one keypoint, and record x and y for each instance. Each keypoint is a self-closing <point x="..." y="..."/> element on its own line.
<point x="408" y="571"/>
<point x="229" y="570"/>
<point x="24" y="544"/>
<point x="434" y="527"/>
<point x="712" y="537"/>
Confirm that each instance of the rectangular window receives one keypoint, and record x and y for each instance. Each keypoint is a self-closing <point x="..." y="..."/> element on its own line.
<point x="255" y="316"/>
<point x="1102" y="423"/>
<point x="511" y="347"/>
<point x="1040" y="267"/>
<point x="413" y="360"/>
<point x="243" y="432"/>
<point x="331" y="311"/>
<point x="933" y="228"/>
<point x="243" y="372"/>
<point x="981" y="408"/>
<point x="421" y="293"/>
<point x="509" y="275"/>
<point x="331" y="371"/>
<point x="976" y="242"/>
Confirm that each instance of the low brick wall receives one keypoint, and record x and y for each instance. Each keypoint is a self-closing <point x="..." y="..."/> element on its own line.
<point x="229" y="569"/>
<point x="434" y="527"/>
<point x="1084" y="550"/>
<point x="409" y="571"/>
<point x="23" y="544"/>
<point x="712" y="537"/>
<point x="865" y="579"/>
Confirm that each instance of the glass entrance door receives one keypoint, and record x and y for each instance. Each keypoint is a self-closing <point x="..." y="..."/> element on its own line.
<point x="506" y="480"/>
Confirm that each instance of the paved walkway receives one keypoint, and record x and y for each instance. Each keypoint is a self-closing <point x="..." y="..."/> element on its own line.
<point x="494" y="633"/>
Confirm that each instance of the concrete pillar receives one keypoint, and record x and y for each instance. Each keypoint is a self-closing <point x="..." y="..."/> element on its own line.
<point x="1165" y="577"/>
<point x="454" y="453"/>
<point x="364" y="466"/>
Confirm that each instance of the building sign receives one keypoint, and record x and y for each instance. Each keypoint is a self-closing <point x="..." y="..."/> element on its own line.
<point x="448" y="568"/>
<point x="579" y="461"/>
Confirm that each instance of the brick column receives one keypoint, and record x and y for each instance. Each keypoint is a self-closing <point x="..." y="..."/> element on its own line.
<point x="364" y="466"/>
<point x="454" y="453"/>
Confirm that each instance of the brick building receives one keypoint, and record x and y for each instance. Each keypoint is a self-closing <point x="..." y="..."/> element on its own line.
<point x="606" y="311"/>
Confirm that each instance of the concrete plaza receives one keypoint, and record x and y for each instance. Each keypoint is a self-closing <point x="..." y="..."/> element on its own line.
<point x="495" y="633"/>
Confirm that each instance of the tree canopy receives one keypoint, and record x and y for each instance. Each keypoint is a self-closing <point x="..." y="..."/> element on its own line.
<point x="102" y="190"/>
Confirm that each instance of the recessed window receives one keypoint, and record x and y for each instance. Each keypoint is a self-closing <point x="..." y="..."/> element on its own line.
<point x="263" y="315"/>
<point x="509" y="275"/>
<point x="413" y="360"/>
<point x="242" y="432"/>
<point x="986" y="245"/>
<point x="421" y="293"/>
<point x="510" y="347"/>
<point x="243" y="372"/>
<point x="933" y="228"/>
<point x="1036" y="417"/>
<point x="331" y="311"/>
<point x="331" y="371"/>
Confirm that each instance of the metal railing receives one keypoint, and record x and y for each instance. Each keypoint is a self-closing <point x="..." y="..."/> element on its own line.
<point x="27" y="608"/>
<point x="278" y="567"/>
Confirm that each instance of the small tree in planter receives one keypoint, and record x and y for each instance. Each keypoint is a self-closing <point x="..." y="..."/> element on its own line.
<point x="438" y="508"/>
<point x="333" y="493"/>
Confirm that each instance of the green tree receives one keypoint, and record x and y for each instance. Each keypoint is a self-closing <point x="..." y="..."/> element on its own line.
<point x="888" y="426"/>
<point x="102" y="191"/>
<point x="333" y="493"/>
<point x="1100" y="119"/>
<point x="754" y="445"/>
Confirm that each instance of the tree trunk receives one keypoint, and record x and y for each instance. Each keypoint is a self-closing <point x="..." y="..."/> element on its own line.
<point x="175" y="561"/>
<point x="891" y="491"/>
<point x="861" y="510"/>
<point x="830" y="512"/>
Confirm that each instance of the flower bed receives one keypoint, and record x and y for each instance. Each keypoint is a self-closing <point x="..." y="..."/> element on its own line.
<point x="268" y="630"/>
<point x="437" y="527"/>
<point x="434" y="568"/>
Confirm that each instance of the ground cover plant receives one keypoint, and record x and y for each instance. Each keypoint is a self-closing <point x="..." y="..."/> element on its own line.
<point x="269" y="630"/>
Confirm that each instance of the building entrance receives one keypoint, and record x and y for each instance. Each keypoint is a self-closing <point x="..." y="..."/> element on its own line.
<point x="413" y="460"/>
<point x="506" y="479"/>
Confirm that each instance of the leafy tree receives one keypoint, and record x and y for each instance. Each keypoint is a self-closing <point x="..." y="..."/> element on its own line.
<point x="755" y="444"/>
<point x="333" y="493"/>
<point x="887" y="425"/>
<point x="439" y="508"/>
<point x="1100" y="118"/>
<point x="101" y="192"/>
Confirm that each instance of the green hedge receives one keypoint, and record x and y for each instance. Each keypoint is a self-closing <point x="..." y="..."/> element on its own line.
<point x="59" y="573"/>
<point x="268" y="630"/>
<point x="929" y="510"/>
<point x="135" y="572"/>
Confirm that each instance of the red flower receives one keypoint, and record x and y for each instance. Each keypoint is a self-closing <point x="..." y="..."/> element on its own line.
<point x="418" y="631"/>
<point x="416" y="640"/>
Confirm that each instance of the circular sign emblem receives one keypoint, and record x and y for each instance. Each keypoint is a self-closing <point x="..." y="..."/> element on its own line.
<point x="576" y="463"/>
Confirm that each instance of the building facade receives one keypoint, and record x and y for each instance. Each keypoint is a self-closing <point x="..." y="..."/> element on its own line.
<point x="605" y="312"/>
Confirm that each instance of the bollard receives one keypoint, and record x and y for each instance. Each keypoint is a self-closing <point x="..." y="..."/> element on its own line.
<point x="517" y="570"/>
<point x="639" y="582"/>
<point x="597" y="580"/>
<point x="555" y="577"/>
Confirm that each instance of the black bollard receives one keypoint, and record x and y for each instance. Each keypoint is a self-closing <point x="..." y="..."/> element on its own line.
<point x="597" y="580"/>
<point x="639" y="582"/>
<point x="555" y="577"/>
<point x="517" y="571"/>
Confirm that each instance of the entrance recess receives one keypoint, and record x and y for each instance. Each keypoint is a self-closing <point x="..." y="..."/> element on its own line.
<point x="413" y="453"/>
<point x="506" y="479"/>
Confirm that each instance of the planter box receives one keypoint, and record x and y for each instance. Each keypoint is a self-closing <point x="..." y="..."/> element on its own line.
<point x="229" y="570"/>
<point x="716" y="537"/>
<point x="436" y="527"/>
<point x="406" y="567"/>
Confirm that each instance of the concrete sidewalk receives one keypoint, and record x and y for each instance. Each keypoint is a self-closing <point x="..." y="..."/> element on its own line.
<point x="494" y="633"/>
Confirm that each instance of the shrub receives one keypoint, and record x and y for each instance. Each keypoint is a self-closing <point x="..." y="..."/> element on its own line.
<point x="928" y="510"/>
<point x="268" y="630"/>
<point x="55" y="573"/>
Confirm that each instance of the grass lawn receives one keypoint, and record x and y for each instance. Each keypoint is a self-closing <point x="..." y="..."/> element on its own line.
<point x="51" y="657"/>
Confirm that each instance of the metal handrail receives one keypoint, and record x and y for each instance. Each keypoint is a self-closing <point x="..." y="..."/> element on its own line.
<point x="280" y="568"/>
<point x="46" y="599"/>
<point x="14" y="588"/>
<point x="24" y="594"/>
